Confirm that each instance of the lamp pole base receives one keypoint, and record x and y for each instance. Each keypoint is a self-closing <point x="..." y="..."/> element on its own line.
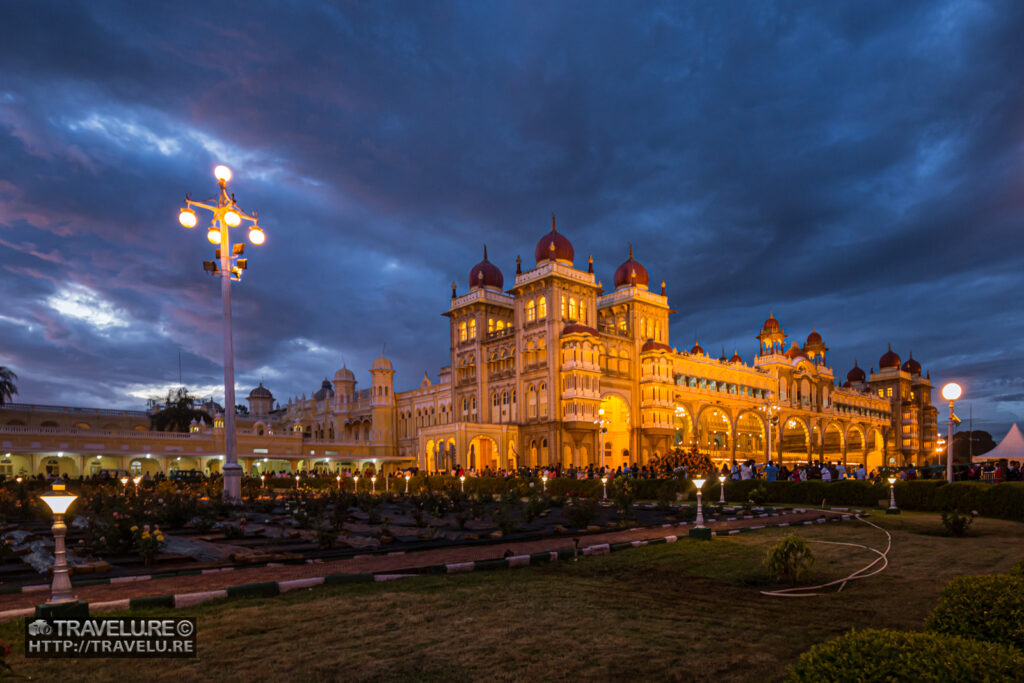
<point x="701" y="532"/>
<point x="73" y="610"/>
<point x="892" y="511"/>
<point x="232" y="482"/>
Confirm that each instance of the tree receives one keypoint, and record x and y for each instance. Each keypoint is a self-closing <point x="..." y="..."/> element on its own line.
<point x="963" y="449"/>
<point x="178" y="412"/>
<point x="8" y="388"/>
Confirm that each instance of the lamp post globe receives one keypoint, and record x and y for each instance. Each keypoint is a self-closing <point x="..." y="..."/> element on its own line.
<point x="222" y="173"/>
<point x="187" y="218"/>
<point x="721" y="480"/>
<point x="951" y="391"/>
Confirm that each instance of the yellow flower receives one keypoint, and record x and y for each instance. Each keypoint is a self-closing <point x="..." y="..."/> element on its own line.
<point x="145" y="534"/>
<point x="135" y="528"/>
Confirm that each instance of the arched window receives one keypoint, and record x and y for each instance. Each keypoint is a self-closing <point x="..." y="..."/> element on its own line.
<point x="504" y="398"/>
<point x="494" y="399"/>
<point x="472" y="328"/>
<point x="543" y="400"/>
<point x="531" y="401"/>
<point x="542" y="307"/>
<point x="462" y="331"/>
<point x="513" y="397"/>
<point x="531" y="311"/>
<point x="472" y="404"/>
<point x="573" y="312"/>
<point x="501" y="325"/>
<point x="490" y="324"/>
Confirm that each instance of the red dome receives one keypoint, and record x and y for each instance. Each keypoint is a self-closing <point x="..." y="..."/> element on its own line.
<point x="492" y="276"/>
<point x="889" y="359"/>
<point x="624" y="274"/>
<point x="856" y="374"/>
<point x="813" y="338"/>
<point x="697" y="349"/>
<point x="562" y="251"/>
<point x="771" y="323"/>
<point x="736" y="358"/>
<point x="912" y="366"/>
<point x="795" y="352"/>
<point x="651" y="345"/>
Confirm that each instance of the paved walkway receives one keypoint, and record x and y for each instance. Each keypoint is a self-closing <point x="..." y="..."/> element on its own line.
<point x="396" y="563"/>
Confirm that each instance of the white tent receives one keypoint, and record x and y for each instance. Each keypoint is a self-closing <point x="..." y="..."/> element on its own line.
<point x="1011" y="447"/>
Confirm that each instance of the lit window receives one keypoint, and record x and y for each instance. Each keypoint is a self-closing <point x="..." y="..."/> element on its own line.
<point x="563" y="307"/>
<point x="531" y="311"/>
<point x="500" y="326"/>
<point x="881" y="393"/>
<point x="542" y="307"/>
<point x="888" y="392"/>
<point x="472" y="329"/>
<point x="490" y="324"/>
<point x="462" y="331"/>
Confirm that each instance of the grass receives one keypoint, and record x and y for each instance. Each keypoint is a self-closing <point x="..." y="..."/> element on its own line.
<point x="679" y="612"/>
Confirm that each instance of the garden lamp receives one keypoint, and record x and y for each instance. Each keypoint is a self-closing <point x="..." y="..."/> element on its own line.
<point x="604" y="487"/>
<point x="892" y="495"/>
<point x="544" y="482"/>
<point x="339" y="482"/>
<point x="407" y="484"/>
<point x="721" y="480"/>
<point x="59" y="501"/>
<point x="355" y="486"/>
<point x="263" y="481"/>
<point x="462" y="483"/>
<point x="699" y="483"/>
<point x="373" y="485"/>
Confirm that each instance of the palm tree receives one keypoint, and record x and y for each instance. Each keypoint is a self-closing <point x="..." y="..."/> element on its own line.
<point x="7" y="386"/>
<point x="178" y="413"/>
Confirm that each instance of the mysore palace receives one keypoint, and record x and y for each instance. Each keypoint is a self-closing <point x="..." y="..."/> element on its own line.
<point x="554" y="369"/>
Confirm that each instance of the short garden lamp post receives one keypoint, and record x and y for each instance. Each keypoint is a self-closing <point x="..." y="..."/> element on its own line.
<point x="263" y="481"/>
<point x="544" y="482"/>
<point x="59" y="501"/>
<point x="136" y="480"/>
<point x="124" y="483"/>
<point x="355" y="485"/>
<point x="407" y="483"/>
<point x="462" y="483"/>
<point x="699" y="483"/>
<point x="18" y="479"/>
<point x="604" y="486"/>
<point x="721" y="480"/>
<point x="892" y="497"/>
<point x="373" y="484"/>
<point x="339" y="482"/>
<point x="297" y="478"/>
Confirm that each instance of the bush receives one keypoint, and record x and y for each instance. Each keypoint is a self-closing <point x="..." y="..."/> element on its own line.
<point x="987" y="607"/>
<point x="789" y="559"/>
<point x="880" y="655"/>
<point x="1018" y="569"/>
<point x="580" y="513"/>
<point x="957" y="523"/>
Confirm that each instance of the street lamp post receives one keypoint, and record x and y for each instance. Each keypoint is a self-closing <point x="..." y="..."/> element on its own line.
<point x="770" y="409"/>
<point x="951" y="392"/>
<point x="601" y="429"/>
<point x="59" y="501"/>
<point x="226" y="214"/>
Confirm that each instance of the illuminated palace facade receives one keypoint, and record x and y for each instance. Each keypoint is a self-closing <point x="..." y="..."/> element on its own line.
<point x="553" y="370"/>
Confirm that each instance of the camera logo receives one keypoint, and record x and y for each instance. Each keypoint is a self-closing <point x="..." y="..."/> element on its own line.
<point x="40" y="627"/>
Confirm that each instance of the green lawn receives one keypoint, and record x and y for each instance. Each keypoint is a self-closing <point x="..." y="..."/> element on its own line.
<point x="679" y="611"/>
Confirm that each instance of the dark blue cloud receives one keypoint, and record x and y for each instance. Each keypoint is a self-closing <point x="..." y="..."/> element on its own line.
<point x="854" y="167"/>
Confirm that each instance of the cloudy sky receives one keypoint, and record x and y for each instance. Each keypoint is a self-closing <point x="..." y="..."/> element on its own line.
<point x="856" y="168"/>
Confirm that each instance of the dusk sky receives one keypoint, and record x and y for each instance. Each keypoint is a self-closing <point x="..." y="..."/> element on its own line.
<point x="855" y="168"/>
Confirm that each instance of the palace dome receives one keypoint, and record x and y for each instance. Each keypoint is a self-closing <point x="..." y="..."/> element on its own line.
<point x="912" y="366"/>
<point x="697" y="349"/>
<point x="261" y="392"/>
<point x="554" y="246"/>
<point x="889" y="359"/>
<point x="344" y="374"/>
<point x="856" y="374"/>
<point x="736" y="358"/>
<point x="771" y="323"/>
<point x="795" y="352"/>
<point x="325" y="391"/>
<point x="381" y="363"/>
<point x="491" y="274"/>
<point x="651" y="345"/>
<point x="813" y="338"/>
<point x="624" y="273"/>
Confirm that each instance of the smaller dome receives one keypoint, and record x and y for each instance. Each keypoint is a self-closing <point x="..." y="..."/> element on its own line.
<point x="261" y="392"/>
<point x="554" y="246"/>
<point x="856" y="374"/>
<point x="736" y="358"/>
<point x="577" y="328"/>
<point x="911" y="365"/>
<point x="771" y="323"/>
<point x="697" y="349"/>
<point x="813" y="338"/>
<point x="889" y="359"/>
<point x="344" y="374"/>
<point x="381" y="363"/>
<point x="486" y="274"/>
<point x="795" y="352"/>
<point x="651" y="345"/>
<point x="325" y="391"/>
<point x="630" y="269"/>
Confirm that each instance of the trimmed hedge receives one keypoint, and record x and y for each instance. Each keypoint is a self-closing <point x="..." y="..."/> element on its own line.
<point x="989" y="608"/>
<point x="882" y="655"/>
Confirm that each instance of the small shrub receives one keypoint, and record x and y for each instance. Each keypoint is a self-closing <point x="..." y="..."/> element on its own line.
<point x="987" y="607"/>
<point x="758" y="495"/>
<point x="880" y="655"/>
<point x="581" y="513"/>
<point x="957" y="523"/>
<point x="325" y="537"/>
<point x="502" y="516"/>
<point x="1018" y="569"/>
<point x="625" y="496"/>
<point x="789" y="559"/>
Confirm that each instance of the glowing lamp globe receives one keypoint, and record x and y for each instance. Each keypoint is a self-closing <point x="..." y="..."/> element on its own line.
<point x="721" y="479"/>
<point x="213" y="235"/>
<point x="462" y="478"/>
<point x="892" y="480"/>
<point x="232" y="218"/>
<point x="256" y="235"/>
<point x="136" y="480"/>
<point x="604" y="480"/>
<point x="187" y="217"/>
<point x="407" y="477"/>
<point x="338" y="477"/>
<point x="222" y="173"/>
<point x="124" y="481"/>
<point x="952" y="391"/>
<point x="58" y="500"/>
<point x="699" y="483"/>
